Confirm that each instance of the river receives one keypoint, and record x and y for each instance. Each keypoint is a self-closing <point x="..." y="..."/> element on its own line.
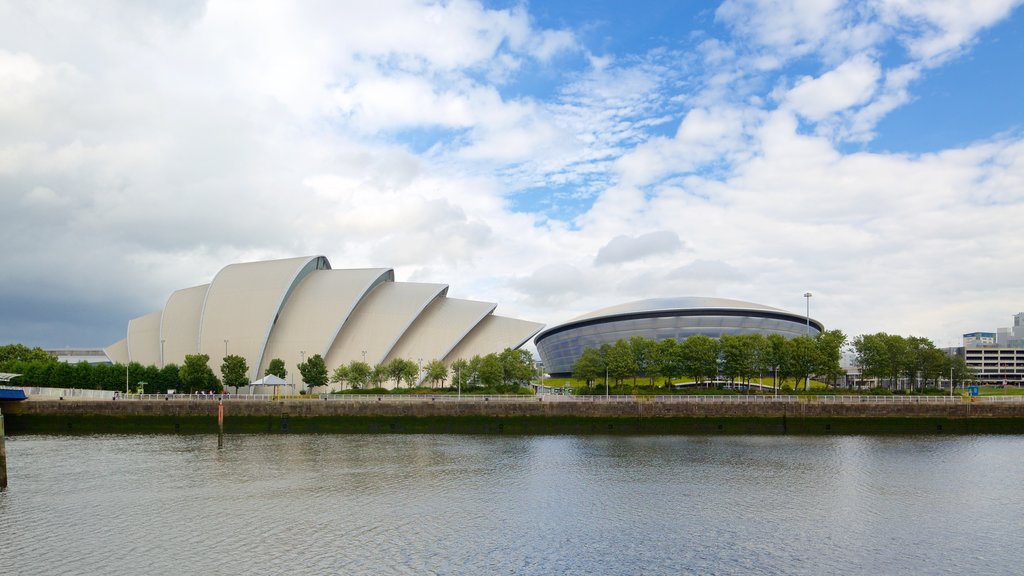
<point x="453" y="504"/>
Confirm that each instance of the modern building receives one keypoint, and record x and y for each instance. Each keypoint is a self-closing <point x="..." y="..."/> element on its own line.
<point x="297" y="307"/>
<point x="76" y="355"/>
<point x="662" y="318"/>
<point x="979" y="339"/>
<point x="997" y="357"/>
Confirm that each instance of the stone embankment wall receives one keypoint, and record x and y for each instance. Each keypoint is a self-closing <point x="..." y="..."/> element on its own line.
<point x="527" y="415"/>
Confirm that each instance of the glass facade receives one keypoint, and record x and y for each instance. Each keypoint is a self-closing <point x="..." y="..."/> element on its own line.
<point x="559" y="349"/>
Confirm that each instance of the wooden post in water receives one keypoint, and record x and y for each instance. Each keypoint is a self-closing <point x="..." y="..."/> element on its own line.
<point x="220" y="424"/>
<point x="3" y="456"/>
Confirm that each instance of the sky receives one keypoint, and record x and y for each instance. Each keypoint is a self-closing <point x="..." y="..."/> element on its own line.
<point x="553" y="157"/>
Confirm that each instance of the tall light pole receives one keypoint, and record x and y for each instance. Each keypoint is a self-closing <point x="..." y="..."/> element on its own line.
<point x="161" y="353"/>
<point x="807" y="295"/>
<point x="606" y="381"/>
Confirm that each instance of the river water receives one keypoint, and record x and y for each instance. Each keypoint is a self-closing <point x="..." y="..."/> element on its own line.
<point x="420" y="504"/>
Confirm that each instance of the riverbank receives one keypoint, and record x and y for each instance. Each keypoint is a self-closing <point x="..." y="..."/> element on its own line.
<point x="506" y="415"/>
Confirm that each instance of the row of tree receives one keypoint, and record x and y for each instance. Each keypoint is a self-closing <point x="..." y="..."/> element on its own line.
<point x="38" y="368"/>
<point x="702" y="358"/>
<point x="907" y="361"/>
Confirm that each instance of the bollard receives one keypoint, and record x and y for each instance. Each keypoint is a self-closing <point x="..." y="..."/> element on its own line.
<point x="3" y="456"/>
<point x="220" y="424"/>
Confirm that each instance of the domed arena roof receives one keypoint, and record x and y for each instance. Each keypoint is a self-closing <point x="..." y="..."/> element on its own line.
<point x="663" y="318"/>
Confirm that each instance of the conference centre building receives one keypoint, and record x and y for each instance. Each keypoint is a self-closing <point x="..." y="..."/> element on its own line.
<point x="662" y="318"/>
<point x="297" y="307"/>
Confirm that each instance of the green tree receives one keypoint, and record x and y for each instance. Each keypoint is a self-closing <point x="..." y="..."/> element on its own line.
<point x="830" y="351"/>
<point x="378" y="375"/>
<point x="589" y="367"/>
<point x="775" y="355"/>
<point x="670" y="365"/>
<point x="436" y="372"/>
<point x="516" y="366"/>
<point x="699" y="357"/>
<point x="620" y="361"/>
<point x="234" y="371"/>
<point x="460" y="373"/>
<point x="195" y="374"/>
<point x="314" y="372"/>
<point x="645" y="357"/>
<point x="20" y="352"/>
<point x="490" y="371"/>
<point x="276" y="368"/>
<point x="802" y="358"/>
<point x="358" y="374"/>
<point x="340" y="376"/>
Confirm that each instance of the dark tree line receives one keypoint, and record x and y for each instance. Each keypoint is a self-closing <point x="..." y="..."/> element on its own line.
<point x="739" y="358"/>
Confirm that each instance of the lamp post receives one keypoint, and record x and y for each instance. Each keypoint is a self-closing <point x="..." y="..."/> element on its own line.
<point x="225" y="347"/>
<point x="807" y="295"/>
<point x="606" y="381"/>
<point x="126" y="377"/>
<point x="161" y="353"/>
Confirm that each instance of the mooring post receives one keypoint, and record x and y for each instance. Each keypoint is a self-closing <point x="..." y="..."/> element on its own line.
<point x="220" y="424"/>
<point x="3" y="455"/>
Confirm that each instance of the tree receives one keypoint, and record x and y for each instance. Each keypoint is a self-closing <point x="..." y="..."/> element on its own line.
<point x="314" y="372"/>
<point x="645" y="357"/>
<point x="699" y="357"/>
<point x="620" y="361"/>
<point x="830" y="351"/>
<point x="589" y="367"/>
<point x="378" y="375"/>
<point x="340" y="375"/>
<point x="490" y="372"/>
<point x="436" y="372"/>
<point x="276" y="368"/>
<point x="670" y="366"/>
<point x="10" y="352"/>
<point x="395" y="369"/>
<point x="358" y="374"/>
<point x="233" y="371"/>
<point x="516" y="366"/>
<point x="195" y="374"/>
<point x="802" y="358"/>
<point x="775" y="355"/>
<point x="460" y="372"/>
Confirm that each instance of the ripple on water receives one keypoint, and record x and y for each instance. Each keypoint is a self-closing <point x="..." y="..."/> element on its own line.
<point x="510" y="505"/>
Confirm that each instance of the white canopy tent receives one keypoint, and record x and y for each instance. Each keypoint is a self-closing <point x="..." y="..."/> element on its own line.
<point x="268" y="380"/>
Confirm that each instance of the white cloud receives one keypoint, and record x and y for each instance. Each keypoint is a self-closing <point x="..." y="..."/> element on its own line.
<point x="851" y="83"/>
<point x="629" y="248"/>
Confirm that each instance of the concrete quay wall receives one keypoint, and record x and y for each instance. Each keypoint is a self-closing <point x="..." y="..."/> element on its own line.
<point x="527" y="407"/>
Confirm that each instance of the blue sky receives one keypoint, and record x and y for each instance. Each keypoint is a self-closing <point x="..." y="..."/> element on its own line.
<point x="869" y="152"/>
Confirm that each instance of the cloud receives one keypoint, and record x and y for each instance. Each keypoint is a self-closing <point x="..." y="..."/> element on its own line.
<point x="629" y="248"/>
<point x="143" y="147"/>
<point x="851" y="83"/>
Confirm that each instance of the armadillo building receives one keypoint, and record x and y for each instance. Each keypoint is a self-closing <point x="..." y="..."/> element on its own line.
<point x="297" y="307"/>
<point x="662" y="318"/>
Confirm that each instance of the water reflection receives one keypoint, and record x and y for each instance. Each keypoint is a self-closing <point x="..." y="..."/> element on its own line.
<point x="519" y="505"/>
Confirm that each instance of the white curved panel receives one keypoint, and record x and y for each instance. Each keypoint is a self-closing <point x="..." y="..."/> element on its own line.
<point x="179" y="326"/>
<point x="117" y="352"/>
<point x="243" y="303"/>
<point x="439" y="329"/>
<point x="317" y="310"/>
<point x="494" y="334"/>
<point x="144" y="339"/>
<point x="380" y="320"/>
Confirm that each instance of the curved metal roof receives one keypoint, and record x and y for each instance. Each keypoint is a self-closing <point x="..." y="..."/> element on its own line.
<point x="677" y="303"/>
<point x="688" y="305"/>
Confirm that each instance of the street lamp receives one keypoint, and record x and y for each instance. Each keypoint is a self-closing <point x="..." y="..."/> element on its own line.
<point x="161" y="353"/>
<point x="606" y="381"/>
<point x="808" y="295"/>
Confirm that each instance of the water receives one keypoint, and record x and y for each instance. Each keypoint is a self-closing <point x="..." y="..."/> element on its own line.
<point x="513" y="505"/>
